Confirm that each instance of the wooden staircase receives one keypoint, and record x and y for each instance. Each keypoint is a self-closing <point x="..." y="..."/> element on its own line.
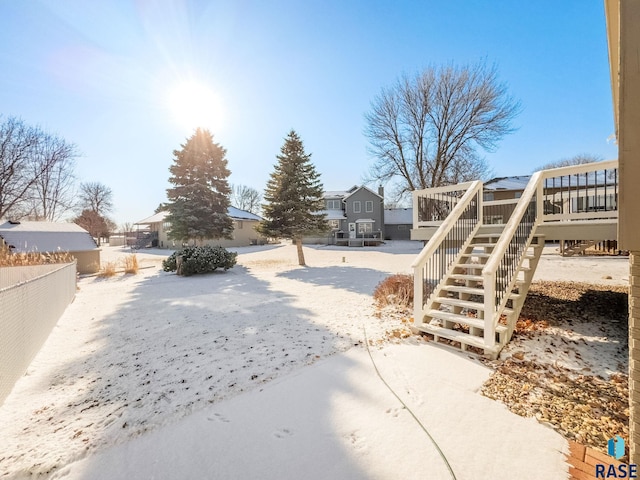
<point x="454" y="314"/>
<point x="472" y="276"/>
<point x="575" y="247"/>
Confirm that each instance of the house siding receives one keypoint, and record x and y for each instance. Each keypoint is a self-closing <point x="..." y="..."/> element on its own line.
<point x="363" y="195"/>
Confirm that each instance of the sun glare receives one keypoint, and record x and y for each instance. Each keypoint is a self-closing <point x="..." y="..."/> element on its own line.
<point x="193" y="104"/>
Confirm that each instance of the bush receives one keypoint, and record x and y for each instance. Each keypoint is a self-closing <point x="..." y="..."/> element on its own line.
<point x="200" y="260"/>
<point x="108" y="270"/>
<point x="11" y="259"/>
<point x="131" y="264"/>
<point x="395" y="290"/>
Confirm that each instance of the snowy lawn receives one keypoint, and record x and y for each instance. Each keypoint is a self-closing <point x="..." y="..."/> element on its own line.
<point x="170" y="356"/>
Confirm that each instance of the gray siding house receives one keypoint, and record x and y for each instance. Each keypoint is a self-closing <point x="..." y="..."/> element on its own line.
<point x="355" y="216"/>
<point x="398" y="223"/>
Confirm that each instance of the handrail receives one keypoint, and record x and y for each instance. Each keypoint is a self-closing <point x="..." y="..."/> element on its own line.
<point x="518" y="233"/>
<point x="447" y="224"/>
<point x="583" y="168"/>
<point x="494" y="300"/>
<point x="443" y="249"/>
<point x="433" y="205"/>
<point x="577" y="192"/>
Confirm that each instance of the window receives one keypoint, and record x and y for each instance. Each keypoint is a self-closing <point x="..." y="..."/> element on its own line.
<point x="333" y="205"/>
<point x="239" y="224"/>
<point x="368" y="206"/>
<point x="365" y="227"/>
<point x="334" y="224"/>
<point x="357" y="207"/>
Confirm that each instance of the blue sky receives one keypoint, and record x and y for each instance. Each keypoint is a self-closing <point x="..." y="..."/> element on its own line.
<point x="116" y="77"/>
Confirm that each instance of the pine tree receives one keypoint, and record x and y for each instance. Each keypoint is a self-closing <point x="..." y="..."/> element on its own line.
<point x="199" y="199"/>
<point x="293" y="196"/>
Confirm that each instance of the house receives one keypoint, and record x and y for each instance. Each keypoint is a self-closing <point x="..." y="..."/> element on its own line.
<point x="50" y="237"/>
<point x="355" y="216"/>
<point x="623" y="35"/>
<point x="398" y="223"/>
<point x="155" y="231"/>
<point x="505" y="188"/>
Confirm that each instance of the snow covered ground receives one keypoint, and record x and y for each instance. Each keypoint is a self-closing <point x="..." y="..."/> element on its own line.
<point x="261" y="372"/>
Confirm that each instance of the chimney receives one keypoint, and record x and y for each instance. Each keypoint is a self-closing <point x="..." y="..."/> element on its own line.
<point x="381" y="191"/>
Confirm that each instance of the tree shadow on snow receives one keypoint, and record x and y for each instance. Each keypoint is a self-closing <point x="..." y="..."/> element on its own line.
<point x="167" y="348"/>
<point x="354" y="279"/>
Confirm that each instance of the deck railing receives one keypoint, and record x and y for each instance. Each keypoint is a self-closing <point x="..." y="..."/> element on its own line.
<point x="581" y="192"/>
<point x="442" y="250"/>
<point x="433" y="205"/>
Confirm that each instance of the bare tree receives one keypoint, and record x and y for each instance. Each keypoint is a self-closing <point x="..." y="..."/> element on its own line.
<point x="246" y="198"/>
<point x="53" y="170"/>
<point x="426" y="130"/>
<point x="579" y="159"/>
<point x="97" y="197"/>
<point x="36" y="171"/>
<point x="126" y="227"/>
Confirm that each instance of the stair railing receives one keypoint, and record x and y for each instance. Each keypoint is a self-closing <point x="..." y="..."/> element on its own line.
<point x="579" y="192"/>
<point x="500" y="273"/>
<point x="441" y="252"/>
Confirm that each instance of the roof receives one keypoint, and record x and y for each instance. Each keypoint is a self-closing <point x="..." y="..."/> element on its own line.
<point x="346" y="193"/>
<point x="507" y="183"/>
<point x="46" y="237"/>
<point x="335" y="194"/>
<point x="398" y="216"/>
<point x="355" y="189"/>
<point x="333" y="214"/>
<point x="233" y="212"/>
<point x="365" y="220"/>
<point x="238" y="214"/>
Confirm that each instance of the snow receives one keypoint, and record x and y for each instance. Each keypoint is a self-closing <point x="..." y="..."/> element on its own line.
<point x="261" y="372"/>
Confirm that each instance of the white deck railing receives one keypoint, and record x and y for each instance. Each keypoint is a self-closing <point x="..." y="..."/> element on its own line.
<point x="581" y="192"/>
<point x="578" y="192"/>
<point x="442" y="250"/>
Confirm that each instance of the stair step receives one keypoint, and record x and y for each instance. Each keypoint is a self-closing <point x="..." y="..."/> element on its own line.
<point x="456" y="336"/>
<point x="462" y="276"/>
<point x="473" y="291"/>
<point x="476" y="266"/>
<point x="483" y="245"/>
<point x="462" y="319"/>
<point x="487" y="235"/>
<point x="478" y="254"/>
<point x="468" y="304"/>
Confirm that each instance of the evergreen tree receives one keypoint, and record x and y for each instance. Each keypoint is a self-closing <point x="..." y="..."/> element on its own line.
<point x="293" y="196"/>
<point x="199" y="199"/>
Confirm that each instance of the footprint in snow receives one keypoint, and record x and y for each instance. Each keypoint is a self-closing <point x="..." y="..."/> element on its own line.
<point x="218" y="418"/>
<point x="282" y="433"/>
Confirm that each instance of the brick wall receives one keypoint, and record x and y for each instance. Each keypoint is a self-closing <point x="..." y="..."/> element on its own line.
<point x="582" y="461"/>
<point x="634" y="357"/>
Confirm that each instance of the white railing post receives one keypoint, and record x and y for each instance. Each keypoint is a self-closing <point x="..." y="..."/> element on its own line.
<point x="415" y="204"/>
<point x="489" y="281"/>
<point x="540" y="201"/>
<point x="418" y="296"/>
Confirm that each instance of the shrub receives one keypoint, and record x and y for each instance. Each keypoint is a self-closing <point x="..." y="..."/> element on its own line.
<point x="396" y="290"/>
<point x="200" y="260"/>
<point x="11" y="259"/>
<point x="108" y="270"/>
<point x="131" y="264"/>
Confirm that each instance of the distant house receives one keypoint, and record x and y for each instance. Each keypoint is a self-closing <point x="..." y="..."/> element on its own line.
<point x="155" y="229"/>
<point x="505" y="188"/>
<point x="398" y="223"/>
<point x="355" y="216"/>
<point x="50" y="237"/>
